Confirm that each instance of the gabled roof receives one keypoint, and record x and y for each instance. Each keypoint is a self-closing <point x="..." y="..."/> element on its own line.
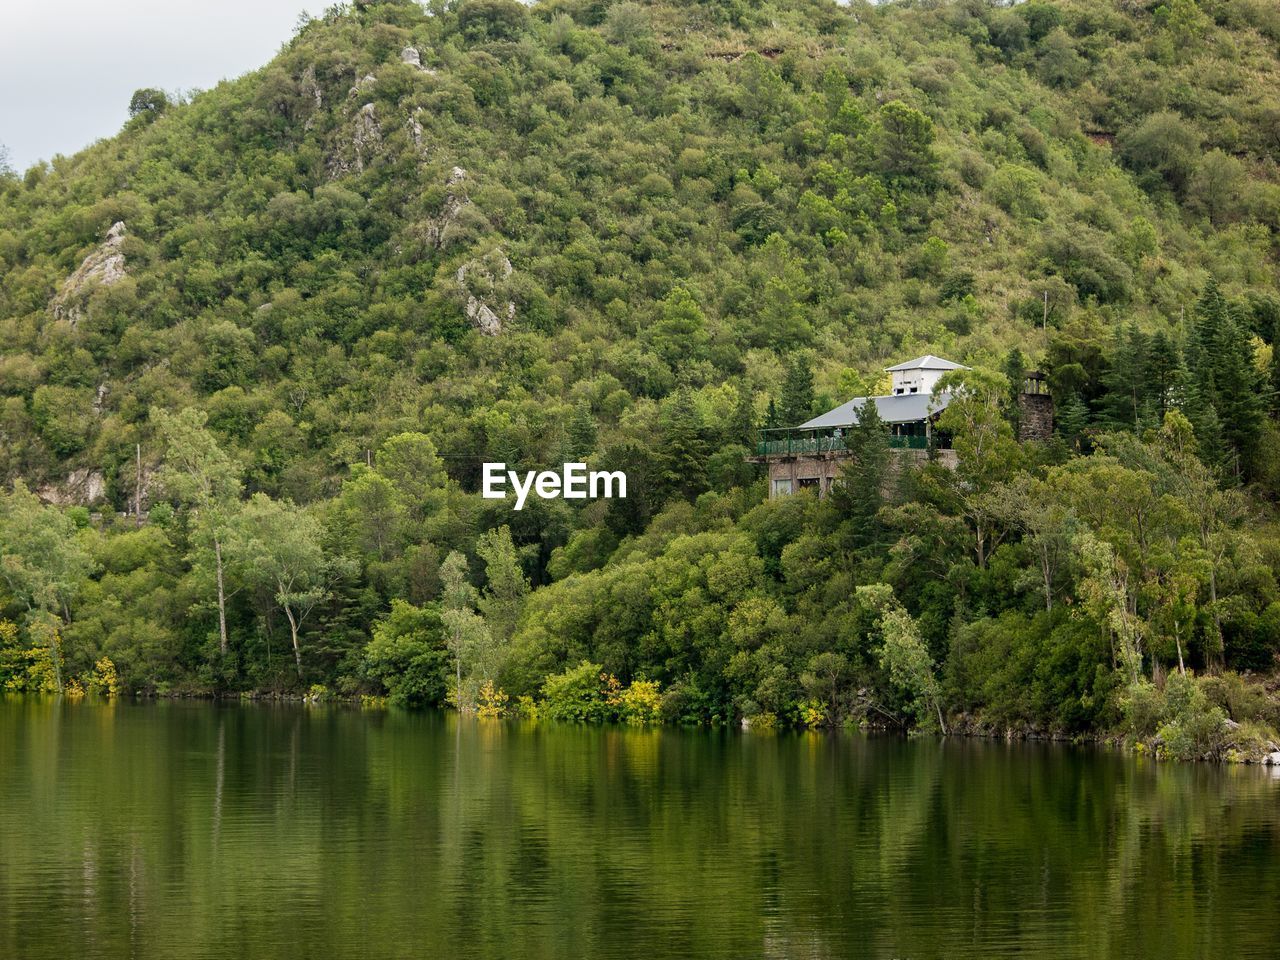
<point x="903" y="408"/>
<point x="927" y="362"/>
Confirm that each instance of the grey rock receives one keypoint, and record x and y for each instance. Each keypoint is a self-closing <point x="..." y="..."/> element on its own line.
<point x="311" y="89"/>
<point x="436" y="232"/>
<point x="411" y="56"/>
<point x="101" y="268"/>
<point x="366" y="140"/>
<point x="481" y="282"/>
<point x="81" y="488"/>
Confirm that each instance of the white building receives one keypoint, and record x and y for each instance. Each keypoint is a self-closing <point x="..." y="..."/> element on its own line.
<point x="808" y="456"/>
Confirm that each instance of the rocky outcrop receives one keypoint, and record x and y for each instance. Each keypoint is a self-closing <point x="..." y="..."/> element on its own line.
<point x="103" y="267"/>
<point x="437" y="232"/>
<point x="82" y="488"/>
<point x="366" y="140"/>
<point x="311" y="90"/>
<point x="482" y="283"/>
<point x="413" y="58"/>
<point x="361" y="85"/>
<point x="417" y="135"/>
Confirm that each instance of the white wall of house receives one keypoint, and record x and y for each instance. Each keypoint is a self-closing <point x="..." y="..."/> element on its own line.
<point x="915" y="381"/>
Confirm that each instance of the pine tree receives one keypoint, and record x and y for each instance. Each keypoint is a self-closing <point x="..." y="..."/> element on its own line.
<point x="742" y="427"/>
<point x="1125" y="399"/>
<point x="582" y="432"/>
<point x="797" y="393"/>
<point x="1072" y="420"/>
<point x="1225" y="402"/>
<point x="1015" y="369"/>
<point x="859" y="495"/>
<point x="1165" y="376"/>
<point x="682" y="458"/>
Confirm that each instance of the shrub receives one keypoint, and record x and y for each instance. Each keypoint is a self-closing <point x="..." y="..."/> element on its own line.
<point x="1196" y="729"/>
<point x="407" y="655"/>
<point x="641" y="702"/>
<point x="575" y="695"/>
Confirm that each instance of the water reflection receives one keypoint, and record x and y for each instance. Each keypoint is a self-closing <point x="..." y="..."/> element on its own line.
<point x="191" y="830"/>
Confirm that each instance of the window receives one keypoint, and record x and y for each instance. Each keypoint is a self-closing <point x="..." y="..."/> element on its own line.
<point x="915" y="389"/>
<point x="781" y="487"/>
<point x="809" y="483"/>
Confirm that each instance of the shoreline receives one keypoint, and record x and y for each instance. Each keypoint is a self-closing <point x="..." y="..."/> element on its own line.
<point x="963" y="728"/>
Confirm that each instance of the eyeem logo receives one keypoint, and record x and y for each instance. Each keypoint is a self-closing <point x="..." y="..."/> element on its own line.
<point x="573" y="483"/>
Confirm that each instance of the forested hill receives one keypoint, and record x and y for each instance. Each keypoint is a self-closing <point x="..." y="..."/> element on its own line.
<point x="634" y="233"/>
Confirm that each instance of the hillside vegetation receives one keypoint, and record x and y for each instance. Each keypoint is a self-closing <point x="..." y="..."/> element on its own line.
<point x="293" y="315"/>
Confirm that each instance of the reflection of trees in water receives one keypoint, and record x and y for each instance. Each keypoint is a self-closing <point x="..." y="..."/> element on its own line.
<point x="285" y="831"/>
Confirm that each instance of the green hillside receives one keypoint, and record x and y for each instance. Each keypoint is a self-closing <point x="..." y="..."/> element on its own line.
<point x="300" y="310"/>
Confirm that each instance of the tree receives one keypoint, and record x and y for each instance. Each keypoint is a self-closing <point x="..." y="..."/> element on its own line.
<point x="1226" y="388"/>
<point x="1047" y="524"/>
<point x="196" y="472"/>
<point x="903" y="652"/>
<point x="481" y="20"/>
<point x="43" y="564"/>
<point x="148" y="100"/>
<point x="1164" y="375"/>
<point x="408" y="655"/>
<point x="1015" y="371"/>
<point x="1217" y="187"/>
<point x="797" y="391"/>
<point x="1106" y="594"/>
<point x="410" y="461"/>
<point x="986" y="451"/>
<point x="681" y="458"/>
<point x="1164" y="145"/>
<point x="859" y="495"/>
<point x="279" y="546"/>
<point x="374" y="510"/>
<point x="905" y="143"/>
<point x="506" y="586"/>
<point x="680" y="333"/>
<point x="1127" y="385"/>
<point x="466" y="633"/>
<point x="582" y="432"/>
<point x="1214" y="512"/>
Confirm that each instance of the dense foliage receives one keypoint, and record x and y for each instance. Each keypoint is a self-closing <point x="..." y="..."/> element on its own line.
<point x="632" y="234"/>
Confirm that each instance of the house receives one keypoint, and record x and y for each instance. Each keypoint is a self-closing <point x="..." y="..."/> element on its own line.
<point x="810" y="456"/>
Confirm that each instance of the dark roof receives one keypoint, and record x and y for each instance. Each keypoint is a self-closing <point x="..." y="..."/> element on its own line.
<point x="903" y="408"/>
<point x="927" y="362"/>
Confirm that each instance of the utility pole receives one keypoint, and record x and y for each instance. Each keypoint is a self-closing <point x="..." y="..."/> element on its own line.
<point x="1044" y="325"/>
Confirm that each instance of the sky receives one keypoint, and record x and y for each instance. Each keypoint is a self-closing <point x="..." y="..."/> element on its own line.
<point x="69" y="67"/>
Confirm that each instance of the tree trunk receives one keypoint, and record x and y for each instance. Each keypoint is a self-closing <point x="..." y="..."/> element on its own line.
<point x="1212" y="659"/>
<point x="293" y="632"/>
<point x="55" y="653"/>
<point x="222" y="598"/>
<point x="1046" y="571"/>
<point x="457" y="690"/>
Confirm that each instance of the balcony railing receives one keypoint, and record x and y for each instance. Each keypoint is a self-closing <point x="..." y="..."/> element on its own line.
<point x="798" y="446"/>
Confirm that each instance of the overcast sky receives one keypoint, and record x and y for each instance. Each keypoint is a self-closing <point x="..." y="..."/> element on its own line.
<point x="68" y="67"/>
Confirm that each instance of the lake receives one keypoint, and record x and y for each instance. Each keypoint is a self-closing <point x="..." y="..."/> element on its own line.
<point x="197" y="830"/>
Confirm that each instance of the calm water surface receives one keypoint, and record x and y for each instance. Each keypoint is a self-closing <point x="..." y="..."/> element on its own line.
<point x="194" y="830"/>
